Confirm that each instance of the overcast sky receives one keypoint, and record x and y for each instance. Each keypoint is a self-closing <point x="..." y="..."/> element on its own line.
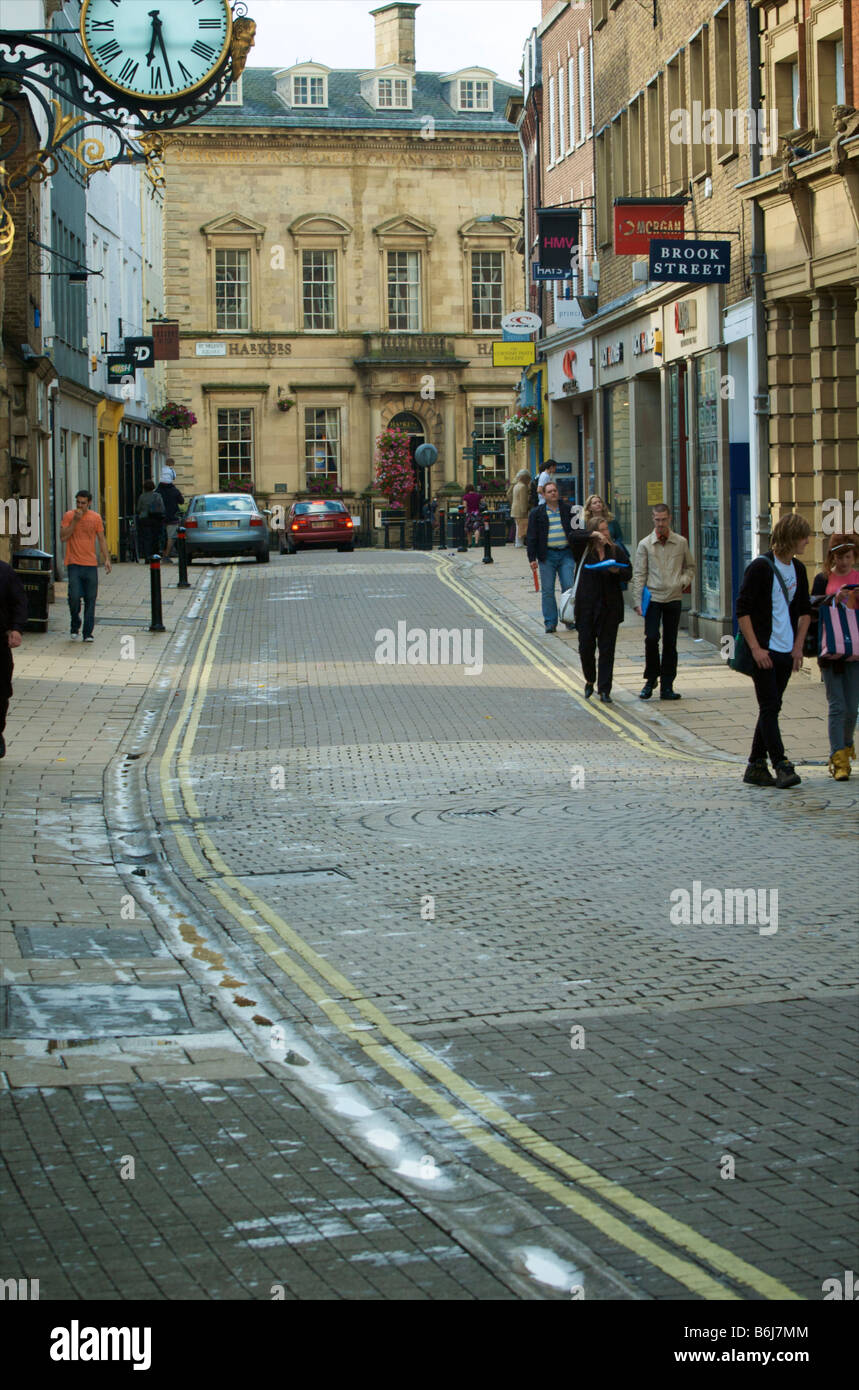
<point x="449" y="34"/>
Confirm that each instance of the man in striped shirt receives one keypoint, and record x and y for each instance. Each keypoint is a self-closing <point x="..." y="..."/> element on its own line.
<point x="552" y="543"/>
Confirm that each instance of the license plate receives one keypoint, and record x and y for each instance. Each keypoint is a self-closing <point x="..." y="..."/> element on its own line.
<point x="324" y="524"/>
<point x="233" y="525"/>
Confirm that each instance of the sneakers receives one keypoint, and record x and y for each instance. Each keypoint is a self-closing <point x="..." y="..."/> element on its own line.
<point x="757" y="774"/>
<point x="89" y="639"/>
<point x="786" y="775"/>
<point x="551" y="629"/>
<point x="646" y="691"/>
<point x="589" y="690"/>
<point x="74" y="634"/>
<point x="670" y="694"/>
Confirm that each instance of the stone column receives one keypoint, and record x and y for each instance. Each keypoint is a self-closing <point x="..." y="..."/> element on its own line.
<point x="450" y="436"/>
<point x="375" y="427"/>
<point x="834" y="400"/>
<point x="791" y="424"/>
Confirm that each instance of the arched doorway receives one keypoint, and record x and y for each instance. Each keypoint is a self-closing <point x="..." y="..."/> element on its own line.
<point x="405" y="420"/>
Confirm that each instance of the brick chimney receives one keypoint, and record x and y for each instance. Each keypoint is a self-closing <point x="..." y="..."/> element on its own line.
<point x="395" y="35"/>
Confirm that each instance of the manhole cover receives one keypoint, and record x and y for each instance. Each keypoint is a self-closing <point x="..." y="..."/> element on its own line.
<point x="66" y="943"/>
<point x="92" y="1011"/>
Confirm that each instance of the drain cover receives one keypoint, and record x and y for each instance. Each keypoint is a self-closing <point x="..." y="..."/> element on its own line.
<point x="92" y="1011"/>
<point x="65" y="943"/>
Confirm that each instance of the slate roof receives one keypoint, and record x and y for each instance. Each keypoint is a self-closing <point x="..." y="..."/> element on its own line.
<point x="347" y="109"/>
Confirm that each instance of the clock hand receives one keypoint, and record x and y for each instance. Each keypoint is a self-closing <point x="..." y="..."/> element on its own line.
<point x="156" y="24"/>
<point x="166" y="59"/>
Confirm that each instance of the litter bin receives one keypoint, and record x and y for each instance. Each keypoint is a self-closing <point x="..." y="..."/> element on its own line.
<point x="35" y="570"/>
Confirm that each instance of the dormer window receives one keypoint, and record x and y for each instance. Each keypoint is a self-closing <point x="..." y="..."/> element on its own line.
<point x="233" y="95"/>
<point x="393" y="91"/>
<point x="388" y="88"/>
<point x="473" y="96"/>
<point x="304" y="85"/>
<point x="469" y="89"/>
<point x="308" y="91"/>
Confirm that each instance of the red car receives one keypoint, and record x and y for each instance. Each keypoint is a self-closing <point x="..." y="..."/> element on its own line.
<point x="317" y="523"/>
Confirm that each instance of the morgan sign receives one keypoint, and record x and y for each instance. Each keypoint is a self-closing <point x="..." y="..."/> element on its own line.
<point x="638" y="220"/>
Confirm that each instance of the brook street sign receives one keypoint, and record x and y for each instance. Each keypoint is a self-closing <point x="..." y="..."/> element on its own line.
<point x="702" y="261"/>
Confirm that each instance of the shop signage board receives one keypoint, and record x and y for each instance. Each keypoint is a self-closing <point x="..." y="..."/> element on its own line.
<point x="141" y="351"/>
<point x="521" y="321"/>
<point x="539" y="272"/>
<point x="692" y="262"/>
<point x="210" y="349"/>
<point x="557" y="236"/>
<point x="638" y="220"/>
<point x="119" y="366"/>
<point x="166" y="339"/>
<point x="514" y="354"/>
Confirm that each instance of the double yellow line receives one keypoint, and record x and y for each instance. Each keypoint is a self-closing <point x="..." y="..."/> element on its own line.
<point x="475" y="1116"/>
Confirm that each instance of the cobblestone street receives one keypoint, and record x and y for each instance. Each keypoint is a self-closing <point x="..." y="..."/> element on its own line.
<point x="368" y="980"/>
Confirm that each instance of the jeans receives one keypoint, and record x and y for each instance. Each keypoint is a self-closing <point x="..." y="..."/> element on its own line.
<point x="83" y="584"/>
<point x="665" y="670"/>
<point x="598" y="628"/>
<point x="769" y="689"/>
<point x="558" y="563"/>
<point x="842" y="694"/>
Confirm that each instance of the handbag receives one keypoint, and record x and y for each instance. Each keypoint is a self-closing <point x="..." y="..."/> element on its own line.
<point x="839" y="633"/>
<point x="742" y="660"/>
<point x="567" y="605"/>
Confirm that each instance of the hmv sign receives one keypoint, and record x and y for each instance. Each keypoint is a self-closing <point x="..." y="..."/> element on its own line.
<point x="705" y="262"/>
<point x="558" y="237"/>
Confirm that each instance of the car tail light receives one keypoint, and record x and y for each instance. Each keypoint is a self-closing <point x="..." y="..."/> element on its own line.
<point x="190" y="522"/>
<point x="294" y="526"/>
<point x="256" y="521"/>
<point x="349" y="521"/>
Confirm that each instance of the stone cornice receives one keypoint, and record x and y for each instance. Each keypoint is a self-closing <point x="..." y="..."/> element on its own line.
<point x="207" y="387"/>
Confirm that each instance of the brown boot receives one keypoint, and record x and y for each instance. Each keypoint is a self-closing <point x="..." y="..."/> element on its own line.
<point x="839" y="764"/>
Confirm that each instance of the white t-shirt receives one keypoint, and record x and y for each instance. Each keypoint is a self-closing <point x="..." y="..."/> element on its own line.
<point x="781" y="637"/>
<point x="544" y="478"/>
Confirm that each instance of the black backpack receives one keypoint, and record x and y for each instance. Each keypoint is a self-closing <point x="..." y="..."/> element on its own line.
<point x="533" y="495"/>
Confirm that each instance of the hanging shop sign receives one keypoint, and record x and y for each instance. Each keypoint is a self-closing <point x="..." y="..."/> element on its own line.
<point x="514" y="354"/>
<point x="557" y="236"/>
<point x="544" y="272"/>
<point x="699" y="261"/>
<point x="119" y="366"/>
<point x="141" y="351"/>
<point x="638" y="220"/>
<point x="166" y="339"/>
<point x="521" y="321"/>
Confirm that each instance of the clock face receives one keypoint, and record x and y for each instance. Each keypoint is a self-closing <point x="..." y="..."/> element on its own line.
<point x="156" y="50"/>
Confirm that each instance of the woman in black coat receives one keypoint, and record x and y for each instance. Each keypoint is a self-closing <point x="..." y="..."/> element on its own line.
<point x="599" y="607"/>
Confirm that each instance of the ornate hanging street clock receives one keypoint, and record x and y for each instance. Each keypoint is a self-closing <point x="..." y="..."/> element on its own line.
<point x="157" y="51"/>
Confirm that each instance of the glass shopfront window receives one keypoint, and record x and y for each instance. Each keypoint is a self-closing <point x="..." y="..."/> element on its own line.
<point x="707" y="422"/>
<point x="678" y="434"/>
<point x="618" y="459"/>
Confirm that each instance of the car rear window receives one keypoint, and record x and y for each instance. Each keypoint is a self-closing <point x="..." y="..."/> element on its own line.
<point x="225" y="502"/>
<point x="301" y="507"/>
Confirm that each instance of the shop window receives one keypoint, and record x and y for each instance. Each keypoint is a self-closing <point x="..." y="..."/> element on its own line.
<point x="489" y="431"/>
<point x="487" y="291"/>
<point x="322" y="443"/>
<point x="235" y="450"/>
<point x="707" y="453"/>
<point x="618" y="454"/>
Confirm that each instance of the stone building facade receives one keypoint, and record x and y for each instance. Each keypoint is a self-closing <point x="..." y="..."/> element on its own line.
<point x="339" y="251"/>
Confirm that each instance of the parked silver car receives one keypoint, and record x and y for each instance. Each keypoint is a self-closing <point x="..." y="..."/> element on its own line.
<point x="225" y="523"/>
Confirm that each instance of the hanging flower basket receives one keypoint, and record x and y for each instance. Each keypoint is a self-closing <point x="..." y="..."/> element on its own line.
<point x="175" y="417"/>
<point x="239" y="484"/>
<point x="394" y="476"/>
<point x="285" y="403"/>
<point x="522" y="422"/>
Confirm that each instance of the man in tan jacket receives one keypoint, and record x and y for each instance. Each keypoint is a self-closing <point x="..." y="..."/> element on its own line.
<point x="664" y="564"/>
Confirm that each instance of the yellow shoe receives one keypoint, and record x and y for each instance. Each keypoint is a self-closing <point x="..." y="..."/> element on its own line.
<point x="839" y="765"/>
<point x="851" y="749"/>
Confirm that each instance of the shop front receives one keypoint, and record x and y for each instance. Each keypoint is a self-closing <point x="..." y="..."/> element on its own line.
<point x="628" y="359"/>
<point x="570" y="381"/>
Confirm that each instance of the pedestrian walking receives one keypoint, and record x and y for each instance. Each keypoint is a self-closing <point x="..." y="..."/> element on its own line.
<point x="150" y="518"/>
<point x="596" y="510"/>
<point x="473" y="520"/>
<point x="838" y="584"/>
<point x="553" y="544"/>
<point x="547" y="476"/>
<point x="519" y="505"/>
<point x="664" y="565"/>
<point x="773" y="612"/>
<point x="82" y="531"/>
<point x="13" y="618"/>
<point x="599" y="606"/>
<point x="172" y="499"/>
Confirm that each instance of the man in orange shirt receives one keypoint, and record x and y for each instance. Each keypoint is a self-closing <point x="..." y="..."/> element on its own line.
<point x="83" y="532"/>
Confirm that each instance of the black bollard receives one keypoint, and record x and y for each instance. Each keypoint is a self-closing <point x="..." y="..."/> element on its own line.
<point x="155" y="594"/>
<point x="461" y="533"/>
<point x="442" y="518"/>
<point x="487" y="541"/>
<point x="182" y="557"/>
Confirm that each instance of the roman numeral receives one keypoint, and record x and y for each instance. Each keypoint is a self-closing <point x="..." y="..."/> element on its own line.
<point x="203" y="50"/>
<point x="184" y="71"/>
<point x="209" y="23"/>
<point x="129" y="71"/>
<point x="109" y="51"/>
<point x="155" y="84"/>
<point x="105" y="25"/>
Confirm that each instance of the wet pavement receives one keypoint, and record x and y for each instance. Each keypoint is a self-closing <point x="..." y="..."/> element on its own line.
<point x="375" y="974"/>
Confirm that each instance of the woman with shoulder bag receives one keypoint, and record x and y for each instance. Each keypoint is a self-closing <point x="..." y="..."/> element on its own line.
<point x="837" y="589"/>
<point x="774" y="611"/>
<point x="599" y="606"/>
<point x="150" y="516"/>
